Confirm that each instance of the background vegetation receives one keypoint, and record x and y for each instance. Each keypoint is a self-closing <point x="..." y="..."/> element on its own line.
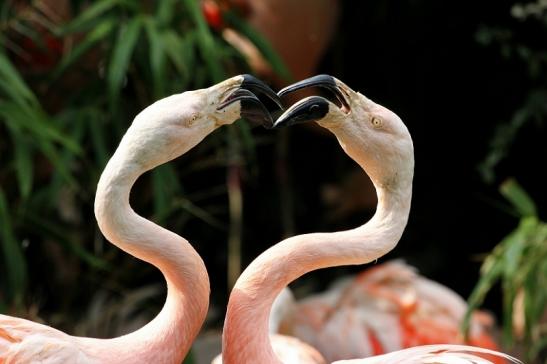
<point x="468" y="79"/>
<point x="69" y="90"/>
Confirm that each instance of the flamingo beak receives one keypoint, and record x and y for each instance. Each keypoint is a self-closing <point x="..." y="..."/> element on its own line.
<point x="335" y="88"/>
<point x="257" y="100"/>
<point x="312" y="108"/>
<point x="315" y="107"/>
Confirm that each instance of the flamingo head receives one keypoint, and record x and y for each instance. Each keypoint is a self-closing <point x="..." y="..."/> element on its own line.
<point x="171" y="126"/>
<point x="374" y="136"/>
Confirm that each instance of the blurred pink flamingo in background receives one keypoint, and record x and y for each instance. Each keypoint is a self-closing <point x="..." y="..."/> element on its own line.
<point x="160" y="133"/>
<point x="380" y="143"/>
<point x="385" y="308"/>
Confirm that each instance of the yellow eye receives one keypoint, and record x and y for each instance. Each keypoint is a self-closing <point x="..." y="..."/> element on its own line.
<point x="192" y="119"/>
<point x="376" y="122"/>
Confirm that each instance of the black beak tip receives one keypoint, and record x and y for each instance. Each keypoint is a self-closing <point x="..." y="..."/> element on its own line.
<point x="312" y="108"/>
<point x="266" y="95"/>
<point x="325" y="81"/>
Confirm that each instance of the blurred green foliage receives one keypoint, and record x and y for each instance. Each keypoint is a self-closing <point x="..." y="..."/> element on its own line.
<point x="519" y="262"/>
<point x="61" y="122"/>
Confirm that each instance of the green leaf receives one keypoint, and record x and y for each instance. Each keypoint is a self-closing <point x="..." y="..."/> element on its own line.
<point x="36" y="123"/>
<point x="157" y="57"/>
<point x="121" y="56"/>
<point x="180" y="51"/>
<point x="206" y="42"/>
<point x="19" y="119"/>
<point x="28" y="32"/>
<point x="75" y="129"/>
<point x="491" y="270"/>
<point x="13" y="85"/>
<point x="513" y="192"/>
<point x="14" y="260"/>
<point x="98" y="138"/>
<point x="165" y="12"/>
<point x="23" y="164"/>
<point x="101" y="31"/>
<point x="165" y="185"/>
<point x="55" y="159"/>
<point x="261" y="43"/>
<point x="514" y="245"/>
<point x="88" y="17"/>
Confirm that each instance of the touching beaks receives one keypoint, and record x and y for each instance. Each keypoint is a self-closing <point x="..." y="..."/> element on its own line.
<point x="311" y="108"/>
<point x="257" y="99"/>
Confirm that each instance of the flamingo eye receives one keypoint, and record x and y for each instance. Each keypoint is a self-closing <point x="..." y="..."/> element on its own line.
<point x="190" y="122"/>
<point x="376" y="122"/>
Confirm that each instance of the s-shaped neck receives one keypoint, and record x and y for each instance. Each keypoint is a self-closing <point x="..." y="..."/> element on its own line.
<point x="168" y="337"/>
<point x="246" y="334"/>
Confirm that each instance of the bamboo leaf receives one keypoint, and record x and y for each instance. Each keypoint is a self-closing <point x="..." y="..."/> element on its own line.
<point x="101" y="31"/>
<point x="520" y="200"/>
<point x="165" y="12"/>
<point x="157" y="57"/>
<point x="88" y="17"/>
<point x="121" y="56"/>
<point x="23" y="164"/>
<point x="44" y="125"/>
<point x="13" y="85"/>
<point x="55" y="159"/>
<point x="514" y="244"/>
<point x="14" y="260"/>
<point x="206" y="42"/>
<point x="18" y="119"/>
<point x="180" y="51"/>
<point x="36" y="123"/>
<point x="491" y="270"/>
<point x="76" y="131"/>
<point x="165" y="185"/>
<point x="96" y="131"/>
<point x="29" y="32"/>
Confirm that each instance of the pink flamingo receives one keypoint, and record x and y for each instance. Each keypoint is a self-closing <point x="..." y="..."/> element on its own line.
<point x="160" y="133"/>
<point x="385" y="308"/>
<point x="380" y="143"/>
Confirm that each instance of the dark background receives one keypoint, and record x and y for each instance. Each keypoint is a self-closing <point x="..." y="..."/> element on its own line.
<point x="422" y="60"/>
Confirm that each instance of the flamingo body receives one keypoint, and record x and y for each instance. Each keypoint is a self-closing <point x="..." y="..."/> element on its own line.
<point x="161" y="132"/>
<point x="385" y="308"/>
<point x="376" y="139"/>
<point x="436" y="354"/>
<point x="23" y="341"/>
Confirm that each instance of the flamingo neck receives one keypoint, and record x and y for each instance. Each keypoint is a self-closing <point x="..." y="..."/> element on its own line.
<point x="168" y="337"/>
<point x="246" y="338"/>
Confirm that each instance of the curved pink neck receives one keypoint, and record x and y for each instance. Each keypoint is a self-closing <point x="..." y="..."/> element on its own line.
<point x="168" y="337"/>
<point x="245" y="337"/>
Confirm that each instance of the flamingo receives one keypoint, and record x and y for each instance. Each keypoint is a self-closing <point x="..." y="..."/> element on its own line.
<point x="385" y="308"/>
<point x="380" y="143"/>
<point x="161" y="132"/>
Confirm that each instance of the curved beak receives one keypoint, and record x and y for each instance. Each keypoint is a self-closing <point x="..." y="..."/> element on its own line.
<point x="327" y="82"/>
<point x="257" y="100"/>
<point x="311" y="108"/>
